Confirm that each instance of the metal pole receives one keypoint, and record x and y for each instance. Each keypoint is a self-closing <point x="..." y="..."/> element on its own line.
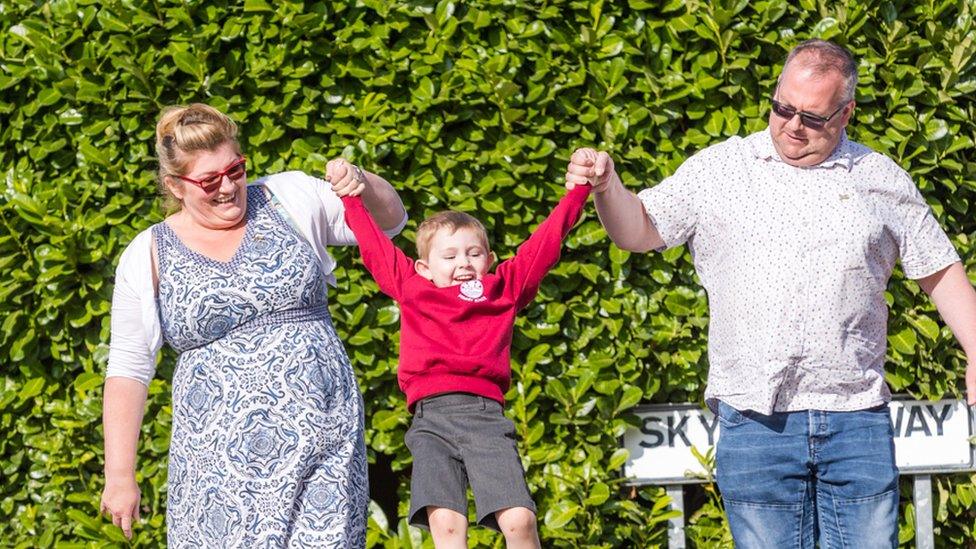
<point x="676" y="526"/>
<point x="924" y="538"/>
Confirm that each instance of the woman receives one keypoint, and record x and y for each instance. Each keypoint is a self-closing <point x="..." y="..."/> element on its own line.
<point x="267" y="446"/>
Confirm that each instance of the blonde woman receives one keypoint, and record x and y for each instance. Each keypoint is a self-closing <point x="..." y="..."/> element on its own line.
<point x="267" y="447"/>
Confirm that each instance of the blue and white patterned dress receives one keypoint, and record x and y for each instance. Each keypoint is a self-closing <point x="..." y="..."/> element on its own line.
<point x="267" y="447"/>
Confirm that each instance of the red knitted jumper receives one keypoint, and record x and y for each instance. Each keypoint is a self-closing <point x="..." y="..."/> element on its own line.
<point x="457" y="339"/>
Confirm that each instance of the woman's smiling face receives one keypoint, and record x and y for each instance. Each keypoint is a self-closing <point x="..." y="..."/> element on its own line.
<point x="219" y="208"/>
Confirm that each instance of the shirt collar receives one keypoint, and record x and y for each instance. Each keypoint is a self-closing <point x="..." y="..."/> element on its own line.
<point x="845" y="154"/>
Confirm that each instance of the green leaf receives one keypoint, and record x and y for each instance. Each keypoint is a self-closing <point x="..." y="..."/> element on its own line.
<point x="716" y="121"/>
<point x="384" y="420"/>
<point x="598" y="495"/>
<point x="31" y="389"/>
<point x="925" y="326"/>
<point x="617" y="459"/>
<point x="557" y="390"/>
<point x="904" y="122"/>
<point x="188" y="63"/>
<point x="48" y="97"/>
<point x="83" y="519"/>
<point x="589" y="233"/>
<point x="257" y="6"/>
<point x="560" y="514"/>
<point x="936" y="129"/>
<point x="630" y="397"/>
<point x="88" y="381"/>
<point x="424" y="91"/>
<point x="904" y="341"/>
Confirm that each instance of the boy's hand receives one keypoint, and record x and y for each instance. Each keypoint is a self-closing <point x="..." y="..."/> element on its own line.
<point x="588" y="166"/>
<point x="346" y="179"/>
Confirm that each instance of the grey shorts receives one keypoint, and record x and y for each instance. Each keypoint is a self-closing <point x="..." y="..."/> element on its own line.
<point x="456" y="439"/>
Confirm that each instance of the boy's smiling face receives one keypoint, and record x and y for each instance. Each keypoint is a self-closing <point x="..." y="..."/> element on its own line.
<point x="455" y="257"/>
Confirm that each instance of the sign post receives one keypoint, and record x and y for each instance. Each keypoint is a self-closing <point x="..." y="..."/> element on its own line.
<point x="922" y="494"/>
<point x="930" y="437"/>
<point x="676" y="526"/>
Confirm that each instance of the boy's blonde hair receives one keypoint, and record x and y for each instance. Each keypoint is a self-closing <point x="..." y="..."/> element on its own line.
<point x="454" y="221"/>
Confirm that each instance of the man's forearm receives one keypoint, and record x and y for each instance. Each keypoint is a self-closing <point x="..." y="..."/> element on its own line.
<point x="955" y="299"/>
<point x="624" y="218"/>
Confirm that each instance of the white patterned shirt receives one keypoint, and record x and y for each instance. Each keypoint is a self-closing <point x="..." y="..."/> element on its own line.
<point x="795" y="262"/>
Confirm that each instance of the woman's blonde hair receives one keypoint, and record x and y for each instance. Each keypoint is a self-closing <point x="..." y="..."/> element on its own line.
<point x="183" y="130"/>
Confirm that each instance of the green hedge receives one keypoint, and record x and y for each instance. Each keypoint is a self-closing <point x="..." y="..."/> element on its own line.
<point x="469" y="105"/>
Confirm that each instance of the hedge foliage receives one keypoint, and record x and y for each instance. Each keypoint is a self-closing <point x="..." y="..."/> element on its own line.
<point x="469" y="105"/>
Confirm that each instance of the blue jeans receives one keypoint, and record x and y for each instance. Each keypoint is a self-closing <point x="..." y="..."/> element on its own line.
<point x="792" y="479"/>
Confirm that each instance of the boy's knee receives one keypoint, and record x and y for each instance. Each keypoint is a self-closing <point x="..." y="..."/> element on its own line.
<point x="517" y="521"/>
<point x="445" y="522"/>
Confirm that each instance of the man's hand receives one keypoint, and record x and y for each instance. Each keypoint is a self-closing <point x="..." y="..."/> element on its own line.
<point x="592" y="167"/>
<point x="346" y="179"/>
<point x="120" y="499"/>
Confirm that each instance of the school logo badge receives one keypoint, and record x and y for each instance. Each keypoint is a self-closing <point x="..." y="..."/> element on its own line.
<point x="472" y="290"/>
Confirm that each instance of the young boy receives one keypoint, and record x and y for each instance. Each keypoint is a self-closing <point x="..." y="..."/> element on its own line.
<point x="456" y="322"/>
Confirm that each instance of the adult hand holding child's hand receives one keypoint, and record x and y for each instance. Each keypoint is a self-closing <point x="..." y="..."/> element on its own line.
<point x="589" y="166"/>
<point x="346" y="178"/>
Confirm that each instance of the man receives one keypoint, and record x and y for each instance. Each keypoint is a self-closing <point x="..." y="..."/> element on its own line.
<point x="795" y="231"/>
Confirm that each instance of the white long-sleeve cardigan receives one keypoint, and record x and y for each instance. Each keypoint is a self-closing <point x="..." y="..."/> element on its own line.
<point x="136" y="334"/>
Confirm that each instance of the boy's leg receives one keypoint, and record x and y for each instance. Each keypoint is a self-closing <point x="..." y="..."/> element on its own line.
<point x="494" y="469"/>
<point x="438" y="479"/>
<point x="518" y="526"/>
<point x="448" y="528"/>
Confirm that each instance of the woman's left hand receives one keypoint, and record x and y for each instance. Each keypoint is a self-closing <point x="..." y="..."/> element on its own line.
<point x="346" y="179"/>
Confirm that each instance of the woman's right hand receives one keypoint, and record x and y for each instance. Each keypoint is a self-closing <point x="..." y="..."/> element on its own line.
<point x="120" y="499"/>
<point x="346" y="178"/>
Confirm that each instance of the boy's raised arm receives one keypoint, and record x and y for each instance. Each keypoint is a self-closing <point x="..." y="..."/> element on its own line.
<point x="538" y="254"/>
<point x="387" y="263"/>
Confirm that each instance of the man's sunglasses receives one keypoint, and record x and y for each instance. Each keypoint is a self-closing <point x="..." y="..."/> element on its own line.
<point x="210" y="184"/>
<point x="812" y="121"/>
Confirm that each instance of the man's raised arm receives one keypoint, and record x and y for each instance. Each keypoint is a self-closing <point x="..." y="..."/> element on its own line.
<point x="620" y="211"/>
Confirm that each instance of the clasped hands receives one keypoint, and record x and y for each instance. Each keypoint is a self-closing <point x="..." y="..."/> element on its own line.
<point x="589" y="166"/>
<point x="346" y="178"/>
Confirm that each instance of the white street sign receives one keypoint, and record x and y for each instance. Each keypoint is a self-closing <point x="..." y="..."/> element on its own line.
<point x="930" y="437"/>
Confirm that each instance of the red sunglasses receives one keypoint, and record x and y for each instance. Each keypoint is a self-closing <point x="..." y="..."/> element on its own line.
<point x="210" y="184"/>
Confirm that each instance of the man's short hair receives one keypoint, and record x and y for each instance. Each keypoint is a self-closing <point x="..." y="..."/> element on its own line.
<point x="454" y="221"/>
<point x="823" y="57"/>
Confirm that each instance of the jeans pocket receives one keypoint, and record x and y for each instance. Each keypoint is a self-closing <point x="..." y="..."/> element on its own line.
<point x="729" y="416"/>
